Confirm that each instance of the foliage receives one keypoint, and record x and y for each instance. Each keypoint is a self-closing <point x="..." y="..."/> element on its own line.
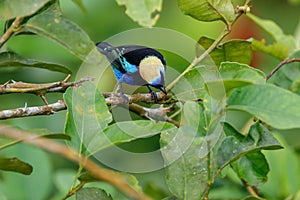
<point x="199" y="146"/>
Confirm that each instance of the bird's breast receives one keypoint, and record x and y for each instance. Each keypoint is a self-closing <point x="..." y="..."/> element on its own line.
<point x="151" y="69"/>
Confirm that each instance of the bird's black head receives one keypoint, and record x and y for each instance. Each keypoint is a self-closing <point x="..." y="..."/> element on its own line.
<point x="104" y="47"/>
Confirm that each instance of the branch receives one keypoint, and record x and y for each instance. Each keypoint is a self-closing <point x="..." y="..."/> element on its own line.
<point x="113" y="98"/>
<point x="198" y="59"/>
<point x="286" y="61"/>
<point x="10" y="30"/>
<point x="32" y="111"/>
<point x="251" y="189"/>
<point x="54" y="147"/>
<point x="157" y="114"/>
<point x="39" y="89"/>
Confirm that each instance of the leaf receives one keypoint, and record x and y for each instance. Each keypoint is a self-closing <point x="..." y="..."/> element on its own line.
<point x="92" y="193"/>
<point x="283" y="43"/>
<point x="208" y="10"/>
<point x="62" y="31"/>
<point x="144" y="12"/>
<point x="235" y="145"/>
<point x="273" y="105"/>
<point x="80" y="5"/>
<point x="87" y="114"/>
<point x="184" y="167"/>
<point x="194" y="115"/>
<point x="60" y="136"/>
<point x="126" y="131"/>
<point x="278" y="50"/>
<point x="236" y="75"/>
<point x="43" y="168"/>
<point x="63" y="178"/>
<point x="283" y="179"/>
<point x="192" y="85"/>
<point x="15" y="165"/>
<point x="8" y="59"/>
<point x="15" y="8"/>
<point x="288" y="77"/>
<point x="273" y="30"/>
<point x="253" y="168"/>
<point x="232" y="50"/>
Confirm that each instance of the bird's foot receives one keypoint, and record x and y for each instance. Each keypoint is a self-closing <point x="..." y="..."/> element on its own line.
<point x="154" y="96"/>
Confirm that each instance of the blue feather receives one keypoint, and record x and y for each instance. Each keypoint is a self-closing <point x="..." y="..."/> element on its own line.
<point x="136" y="65"/>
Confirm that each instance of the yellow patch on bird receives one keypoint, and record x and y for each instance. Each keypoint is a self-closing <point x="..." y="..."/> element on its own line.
<point x="150" y="68"/>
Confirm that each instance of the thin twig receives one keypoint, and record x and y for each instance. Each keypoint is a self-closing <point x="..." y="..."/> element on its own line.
<point x="112" y="98"/>
<point x="10" y="30"/>
<point x="198" y="59"/>
<point x="60" y="149"/>
<point x="284" y="62"/>
<point x="157" y="114"/>
<point x="74" y="190"/>
<point x="39" y="89"/>
<point x="33" y="111"/>
<point x="251" y="189"/>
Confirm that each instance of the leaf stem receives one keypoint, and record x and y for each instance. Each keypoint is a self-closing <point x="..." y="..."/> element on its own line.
<point x="251" y="189"/>
<point x="209" y="178"/>
<point x="74" y="190"/>
<point x="10" y="30"/>
<point x="281" y="64"/>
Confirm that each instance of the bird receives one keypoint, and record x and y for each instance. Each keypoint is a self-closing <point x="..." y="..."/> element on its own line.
<point x="136" y="65"/>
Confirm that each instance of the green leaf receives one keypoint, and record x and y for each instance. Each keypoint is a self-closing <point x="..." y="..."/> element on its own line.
<point x="26" y="186"/>
<point x="208" y="10"/>
<point x="144" y="12"/>
<point x="92" y="193"/>
<point x="80" y="5"/>
<point x="283" y="43"/>
<point x="283" y="179"/>
<point x="184" y="169"/>
<point x="127" y="131"/>
<point x="15" y="8"/>
<point x="235" y="145"/>
<point x="63" y="178"/>
<point x="15" y="165"/>
<point x="278" y="50"/>
<point x="273" y="105"/>
<point x="62" y="31"/>
<point x="232" y="50"/>
<point x="236" y="75"/>
<point x="288" y="77"/>
<point x="253" y="168"/>
<point x="194" y="115"/>
<point x="87" y="114"/>
<point x="8" y="59"/>
<point x="192" y="86"/>
<point x="60" y="136"/>
<point x="273" y="30"/>
<point x="87" y="177"/>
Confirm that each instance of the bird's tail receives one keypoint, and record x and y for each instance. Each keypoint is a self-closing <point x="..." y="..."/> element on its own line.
<point x="104" y="47"/>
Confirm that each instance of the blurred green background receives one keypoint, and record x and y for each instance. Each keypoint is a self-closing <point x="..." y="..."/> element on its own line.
<point x="101" y="20"/>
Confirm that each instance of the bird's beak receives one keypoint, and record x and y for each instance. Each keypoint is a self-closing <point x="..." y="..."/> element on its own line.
<point x="163" y="89"/>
